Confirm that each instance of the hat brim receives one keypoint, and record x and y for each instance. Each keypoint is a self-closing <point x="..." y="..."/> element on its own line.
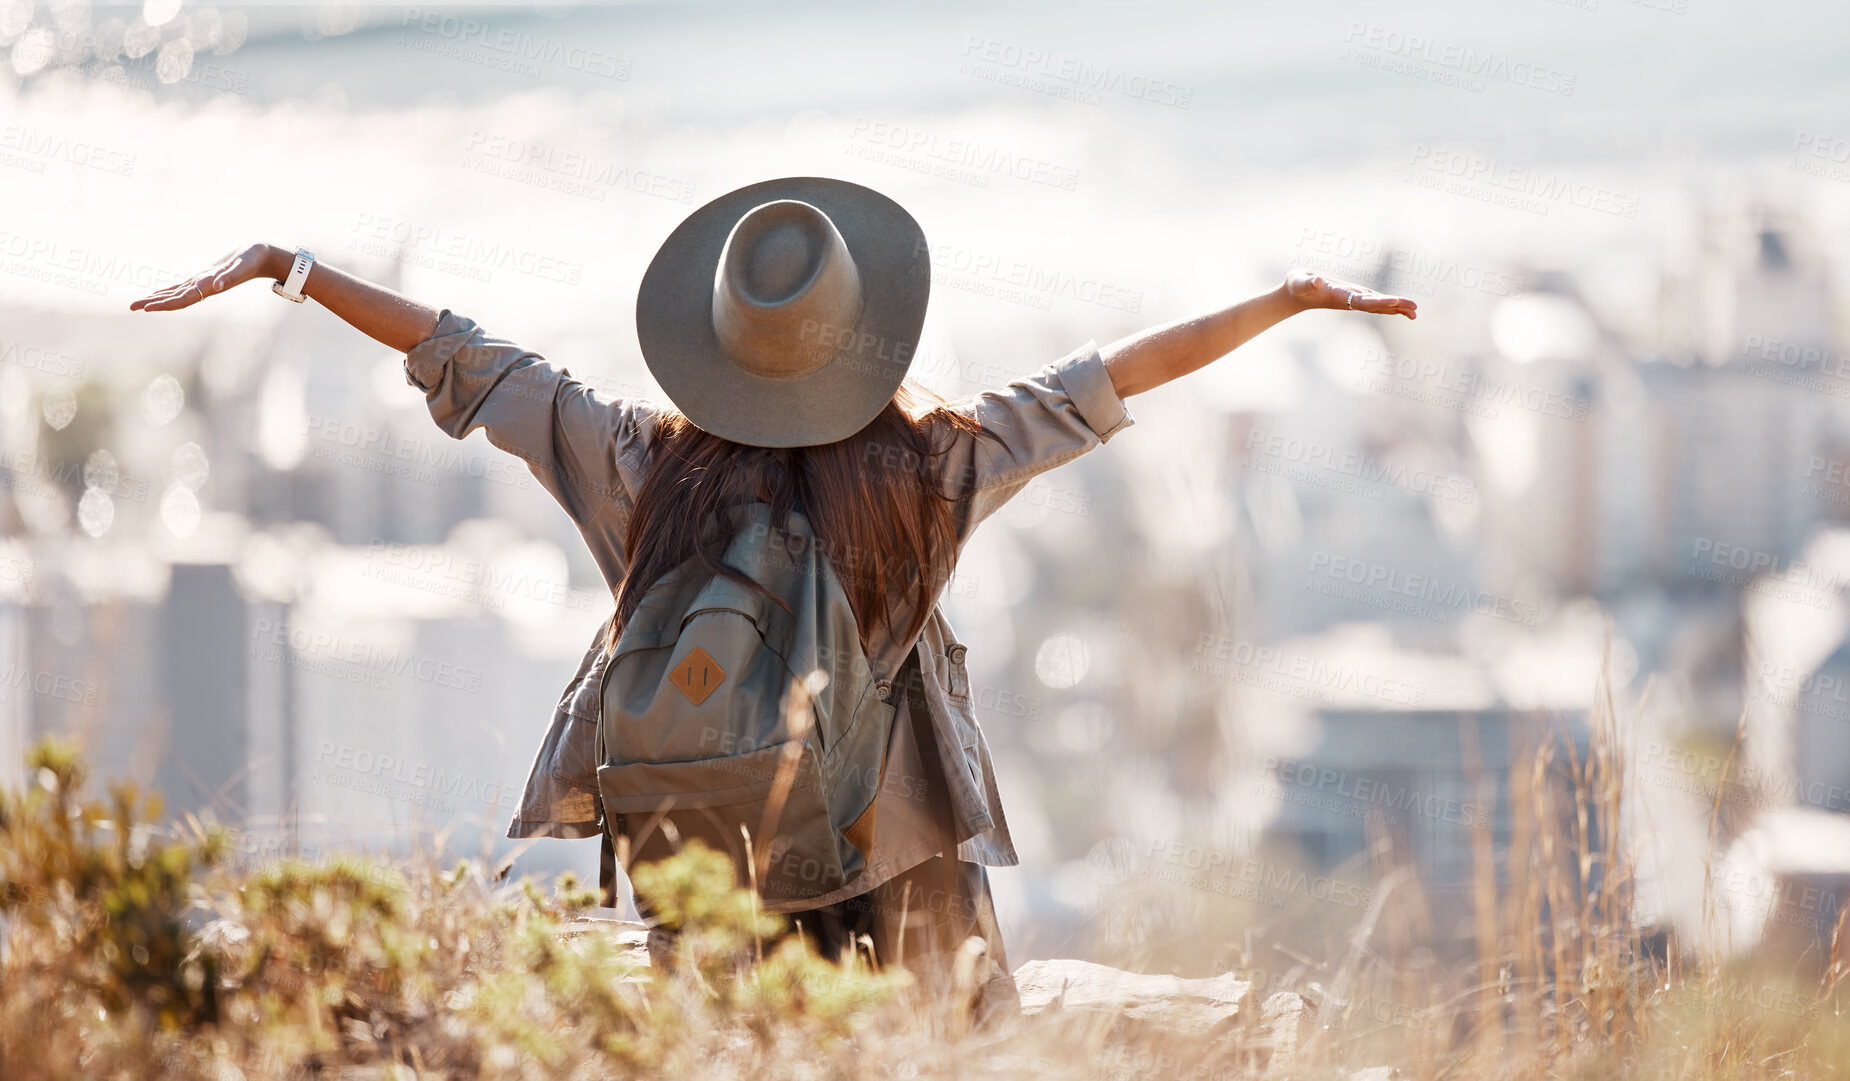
<point x="674" y="320"/>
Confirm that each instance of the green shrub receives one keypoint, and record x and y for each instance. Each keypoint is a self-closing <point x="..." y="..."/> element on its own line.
<point x="132" y="951"/>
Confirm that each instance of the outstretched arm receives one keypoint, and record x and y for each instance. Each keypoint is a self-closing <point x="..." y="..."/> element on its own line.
<point x="395" y="321"/>
<point x="1153" y="357"/>
<point x="584" y="449"/>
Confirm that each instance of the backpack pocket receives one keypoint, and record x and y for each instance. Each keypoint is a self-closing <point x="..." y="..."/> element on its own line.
<point x="711" y="798"/>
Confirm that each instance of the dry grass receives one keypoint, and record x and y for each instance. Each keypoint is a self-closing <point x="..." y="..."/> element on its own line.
<point x="132" y="952"/>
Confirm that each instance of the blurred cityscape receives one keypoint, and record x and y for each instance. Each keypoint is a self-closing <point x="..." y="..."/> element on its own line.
<point x="1303" y="611"/>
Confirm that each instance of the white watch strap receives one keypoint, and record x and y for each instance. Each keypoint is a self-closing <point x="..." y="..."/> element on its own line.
<point x="298" y="276"/>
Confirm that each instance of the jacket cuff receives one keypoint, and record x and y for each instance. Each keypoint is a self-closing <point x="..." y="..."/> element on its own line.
<point x="1083" y="376"/>
<point x="425" y="362"/>
<point x="521" y="828"/>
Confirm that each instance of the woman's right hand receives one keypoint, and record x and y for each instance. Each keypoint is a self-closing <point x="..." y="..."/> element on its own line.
<point x="235" y="268"/>
<point x="1307" y="291"/>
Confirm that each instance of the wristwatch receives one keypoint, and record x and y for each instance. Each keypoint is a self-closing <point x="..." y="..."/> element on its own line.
<point x="298" y="275"/>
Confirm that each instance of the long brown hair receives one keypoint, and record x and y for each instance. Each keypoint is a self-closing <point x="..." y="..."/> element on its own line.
<point x="876" y="502"/>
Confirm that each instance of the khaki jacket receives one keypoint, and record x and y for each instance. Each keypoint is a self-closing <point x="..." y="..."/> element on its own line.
<point x="592" y="453"/>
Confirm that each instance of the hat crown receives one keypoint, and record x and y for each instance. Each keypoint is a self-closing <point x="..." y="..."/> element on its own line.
<point x="784" y="259"/>
<point x="786" y="292"/>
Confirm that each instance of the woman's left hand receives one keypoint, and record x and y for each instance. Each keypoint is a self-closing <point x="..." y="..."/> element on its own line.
<point x="1307" y="291"/>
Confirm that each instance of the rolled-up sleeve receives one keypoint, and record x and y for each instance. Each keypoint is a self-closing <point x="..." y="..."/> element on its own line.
<point x="589" y="452"/>
<point x="1030" y="426"/>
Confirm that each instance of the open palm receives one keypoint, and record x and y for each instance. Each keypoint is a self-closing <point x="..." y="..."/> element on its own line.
<point x="1309" y="290"/>
<point x="235" y="268"/>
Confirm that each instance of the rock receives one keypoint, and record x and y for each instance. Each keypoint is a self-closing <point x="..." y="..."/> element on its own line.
<point x="1287" y="1020"/>
<point x="637" y="940"/>
<point x="1202" y="1007"/>
<point x="1377" y="1073"/>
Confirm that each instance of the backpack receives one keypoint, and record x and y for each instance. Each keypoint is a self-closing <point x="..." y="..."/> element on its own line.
<point x="725" y="715"/>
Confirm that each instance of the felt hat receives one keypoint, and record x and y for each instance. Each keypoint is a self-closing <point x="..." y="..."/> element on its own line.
<point x="786" y="313"/>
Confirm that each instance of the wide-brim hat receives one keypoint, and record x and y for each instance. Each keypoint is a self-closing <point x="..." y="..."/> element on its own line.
<point x="786" y="313"/>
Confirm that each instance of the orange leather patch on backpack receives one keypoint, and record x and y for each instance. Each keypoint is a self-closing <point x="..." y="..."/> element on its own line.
<point x="698" y="675"/>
